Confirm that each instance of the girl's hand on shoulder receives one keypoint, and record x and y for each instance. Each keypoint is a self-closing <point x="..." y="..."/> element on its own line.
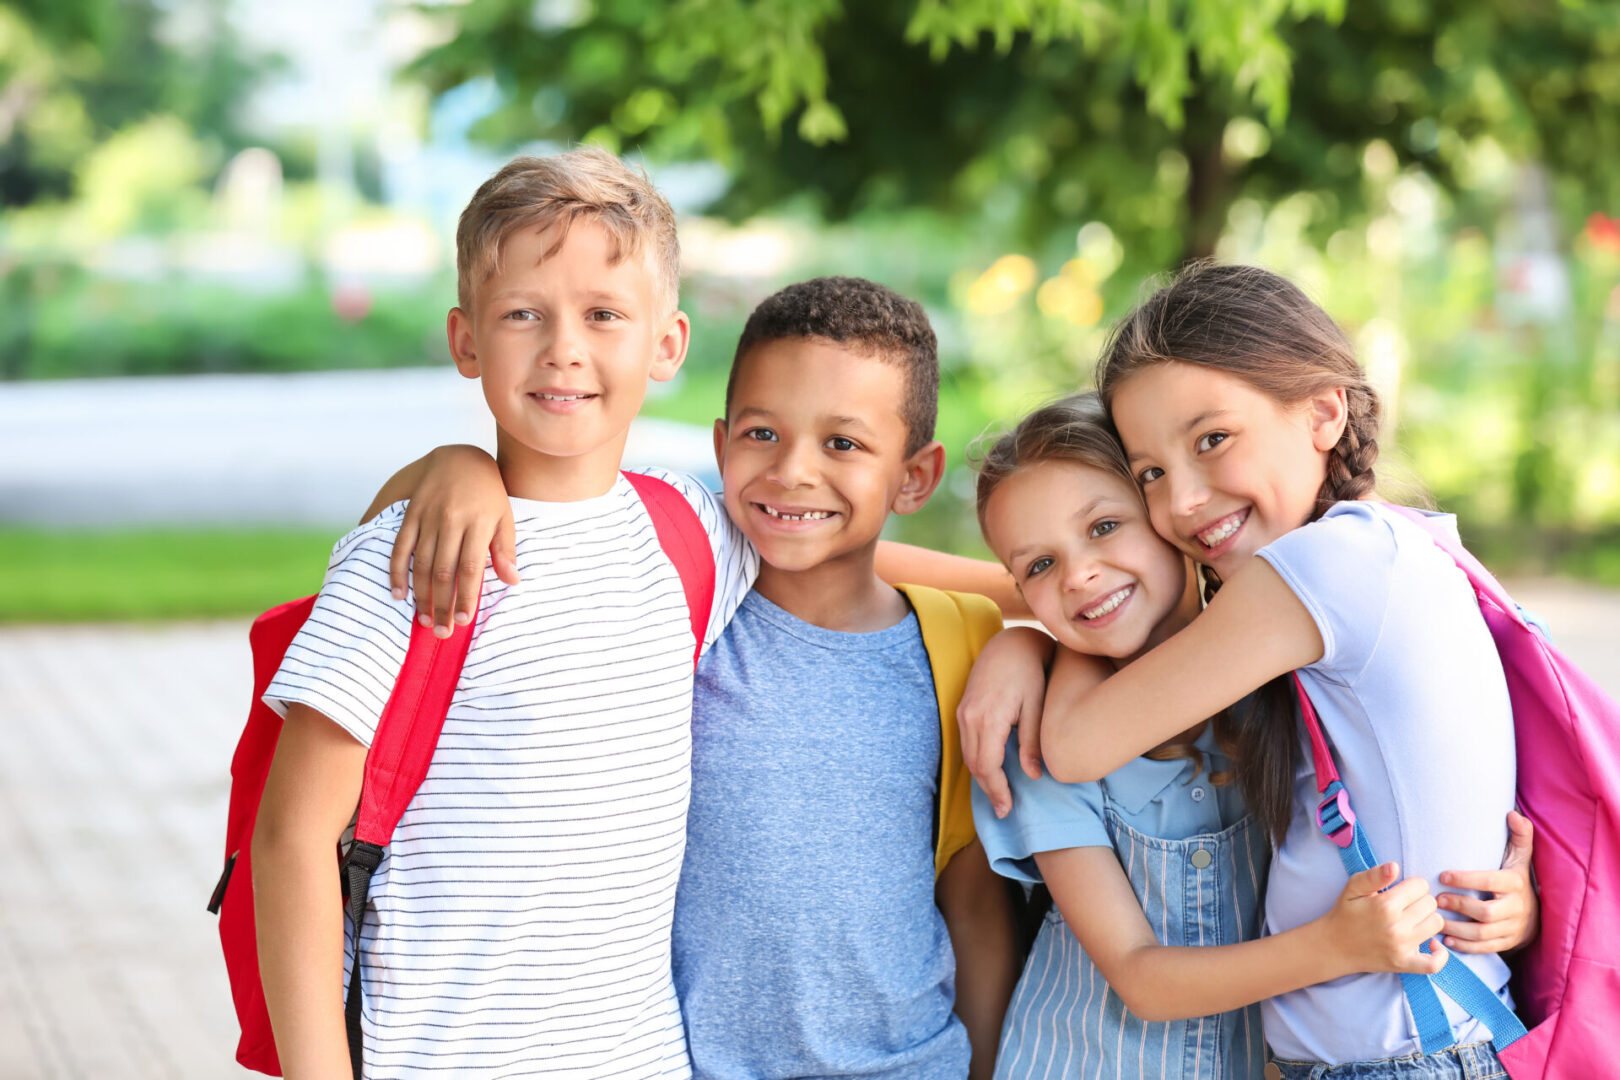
<point x="1512" y="917"/>
<point x="1006" y="689"/>
<point x="1378" y="925"/>
<point x="458" y="520"/>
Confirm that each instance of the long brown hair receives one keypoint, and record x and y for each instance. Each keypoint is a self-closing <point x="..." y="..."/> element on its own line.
<point x="1076" y="429"/>
<point x="1261" y="328"/>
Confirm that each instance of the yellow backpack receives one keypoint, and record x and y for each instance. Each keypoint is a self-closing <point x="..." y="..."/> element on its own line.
<point x="955" y="626"/>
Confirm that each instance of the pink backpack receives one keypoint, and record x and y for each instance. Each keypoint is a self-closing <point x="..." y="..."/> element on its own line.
<point x="1567" y="732"/>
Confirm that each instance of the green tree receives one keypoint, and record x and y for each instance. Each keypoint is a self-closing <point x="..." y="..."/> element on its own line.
<point x="74" y="73"/>
<point x="1040" y="114"/>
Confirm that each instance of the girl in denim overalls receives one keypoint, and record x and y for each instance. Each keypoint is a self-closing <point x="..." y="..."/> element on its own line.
<point x="1157" y="870"/>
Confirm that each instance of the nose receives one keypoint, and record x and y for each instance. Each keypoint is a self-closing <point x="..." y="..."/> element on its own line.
<point x="1079" y="573"/>
<point x="794" y="463"/>
<point x="564" y="346"/>
<point x="1188" y="493"/>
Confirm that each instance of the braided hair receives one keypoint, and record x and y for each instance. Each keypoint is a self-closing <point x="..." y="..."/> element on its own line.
<point x="1259" y="327"/>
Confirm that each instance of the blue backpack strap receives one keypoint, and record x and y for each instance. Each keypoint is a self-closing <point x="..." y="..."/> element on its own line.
<point x="1337" y="820"/>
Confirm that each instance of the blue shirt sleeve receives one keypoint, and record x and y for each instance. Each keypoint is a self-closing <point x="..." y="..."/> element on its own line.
<point x="1046" y="816"/>
<point x="1340" y="567"/>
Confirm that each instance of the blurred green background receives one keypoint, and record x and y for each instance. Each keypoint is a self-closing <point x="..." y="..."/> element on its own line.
<point x="210" y="186"/>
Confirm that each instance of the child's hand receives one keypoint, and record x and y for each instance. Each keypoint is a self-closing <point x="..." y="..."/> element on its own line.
<point x="459" y="518"/>
<point x="1512" y="918"/>
<point x="1378" y="926"/>
<point x="1006" y="689"/>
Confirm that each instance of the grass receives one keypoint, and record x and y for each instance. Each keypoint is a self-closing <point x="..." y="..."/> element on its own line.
<point x="53" y="575"/>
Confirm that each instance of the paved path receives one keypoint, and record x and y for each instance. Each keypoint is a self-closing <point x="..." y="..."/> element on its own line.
<point x="116" y="742"/>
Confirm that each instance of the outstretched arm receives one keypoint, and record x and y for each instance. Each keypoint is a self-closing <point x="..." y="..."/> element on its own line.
<point x="1254" y="630"/>
<point x="1365" y="930"/>
<point x="978" y="913"/>
<point x="897" y="563"/>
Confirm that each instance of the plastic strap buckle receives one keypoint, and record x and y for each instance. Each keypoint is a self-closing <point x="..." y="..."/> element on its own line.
<point x="1335" y="817"/>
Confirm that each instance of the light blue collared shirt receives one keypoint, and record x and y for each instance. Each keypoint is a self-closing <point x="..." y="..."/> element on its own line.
<point x="1197" y="863"/>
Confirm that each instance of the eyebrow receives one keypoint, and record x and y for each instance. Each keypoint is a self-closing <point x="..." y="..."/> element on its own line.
<point x="1186" y="429"/>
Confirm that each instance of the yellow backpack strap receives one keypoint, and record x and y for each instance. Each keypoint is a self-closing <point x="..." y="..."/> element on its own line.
<point x="955" y="626"/>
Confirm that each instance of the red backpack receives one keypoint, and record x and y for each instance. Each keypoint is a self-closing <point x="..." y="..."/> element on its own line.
<point x="1567" y="733"/>
<point x="396" y="764"/>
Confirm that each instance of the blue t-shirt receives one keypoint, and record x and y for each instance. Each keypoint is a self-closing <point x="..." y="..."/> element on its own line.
<point x="1411" y="694"/>
<point x="806" y="938"/>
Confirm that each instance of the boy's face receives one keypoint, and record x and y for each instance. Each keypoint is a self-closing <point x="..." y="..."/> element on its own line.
<point x="564" y="344"/>
<point x="813" y="455"/>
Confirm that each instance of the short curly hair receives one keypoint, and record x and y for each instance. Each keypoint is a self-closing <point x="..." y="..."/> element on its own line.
<point x="864" y="316"/>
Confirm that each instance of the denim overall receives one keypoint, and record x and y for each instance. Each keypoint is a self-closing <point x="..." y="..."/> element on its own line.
<point x="1065" y="1021"/>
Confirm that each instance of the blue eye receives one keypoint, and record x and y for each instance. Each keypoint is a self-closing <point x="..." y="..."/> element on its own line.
<point x="1103" y="528"/>
<point x="1040" y="565"/>
<point x="1148" y="475"/>
<point x="838" y="442"/>
<point x="1211" y="441"/>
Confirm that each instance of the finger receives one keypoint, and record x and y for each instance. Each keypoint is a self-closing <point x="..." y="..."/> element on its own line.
<point x="1463" y="930"/>
<point x="1485" y="945"/>
<point x="1419" y="909"/>
<point x="1487" y="881"/>
<point x="503" y="550"/>
<point x="399" y="562"/>
<point x="422" y="575"/>
<point x="444" y="580"/>
<point x="469" y="577"/>
<point x="1521" y="840"/>
<point x="1372" y="880"/>
<point x="995" y="785"/>
<point x="1404" y="894"/>
<point x="1029" y="740"/>
<point x="1481" y="911"/>
<point x="969" y="735"/>
<point x="1431" y="962"/>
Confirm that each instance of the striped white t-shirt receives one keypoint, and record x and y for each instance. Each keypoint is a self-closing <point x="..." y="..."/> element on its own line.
<point x="519" y="925"/>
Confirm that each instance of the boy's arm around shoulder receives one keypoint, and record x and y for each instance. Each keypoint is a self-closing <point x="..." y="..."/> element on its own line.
<point x="977" y="906"/>
<point x="896" y="563"/>
<point x="309" y="797"/>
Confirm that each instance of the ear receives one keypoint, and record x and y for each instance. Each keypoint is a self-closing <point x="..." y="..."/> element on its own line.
<point x="463" y="346"/>
<point x="1327" y="413"/>
<point x="672" y="348"/>
<point x="924" y="470"/>
<point x="720" y="432"/>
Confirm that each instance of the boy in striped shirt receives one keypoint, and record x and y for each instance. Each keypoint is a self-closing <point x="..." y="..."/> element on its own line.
<point x="520" y="923"/>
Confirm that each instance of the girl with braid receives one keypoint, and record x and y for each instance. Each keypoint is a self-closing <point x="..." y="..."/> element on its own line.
<point x="1252" y="433"/>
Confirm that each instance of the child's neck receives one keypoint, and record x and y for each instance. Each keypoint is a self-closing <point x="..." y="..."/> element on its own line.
<point x="841" y="594"/>
<point x="530" y="474"/>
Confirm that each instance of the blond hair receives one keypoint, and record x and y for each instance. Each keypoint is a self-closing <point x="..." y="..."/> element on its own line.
<point x="585" y="183"/>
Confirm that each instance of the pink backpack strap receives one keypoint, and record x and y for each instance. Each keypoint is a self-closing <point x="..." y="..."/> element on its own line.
<point x="686" y="542"/>
<point x="1486" y="587"/>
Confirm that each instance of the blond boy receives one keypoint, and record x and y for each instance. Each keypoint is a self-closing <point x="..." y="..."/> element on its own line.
<point x="520" y="923"/>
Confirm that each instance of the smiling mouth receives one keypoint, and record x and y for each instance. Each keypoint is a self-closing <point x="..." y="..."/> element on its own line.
<point x="1222" y="530"/>
<point x="560" y="397"/>
<point x="795" y="515"/>
<point x="1108" y="604"/>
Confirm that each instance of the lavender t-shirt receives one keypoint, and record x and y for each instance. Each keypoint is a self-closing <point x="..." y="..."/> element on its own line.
<point x="1411" y="694"/>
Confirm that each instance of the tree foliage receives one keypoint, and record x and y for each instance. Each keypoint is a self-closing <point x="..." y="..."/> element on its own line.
<point x="73" y="74"/>
<point x="1153" y="115"/>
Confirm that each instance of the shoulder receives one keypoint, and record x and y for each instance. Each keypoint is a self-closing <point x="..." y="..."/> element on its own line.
<point x="690" y="488"/>
<point x="1348" y="533"/>
<point x="1047" y="815"/>
<point x="366" y="549"/>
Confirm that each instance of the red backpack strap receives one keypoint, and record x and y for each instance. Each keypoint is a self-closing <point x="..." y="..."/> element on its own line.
<point x="686" y="542"/>
<point x="397" y="763"/>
